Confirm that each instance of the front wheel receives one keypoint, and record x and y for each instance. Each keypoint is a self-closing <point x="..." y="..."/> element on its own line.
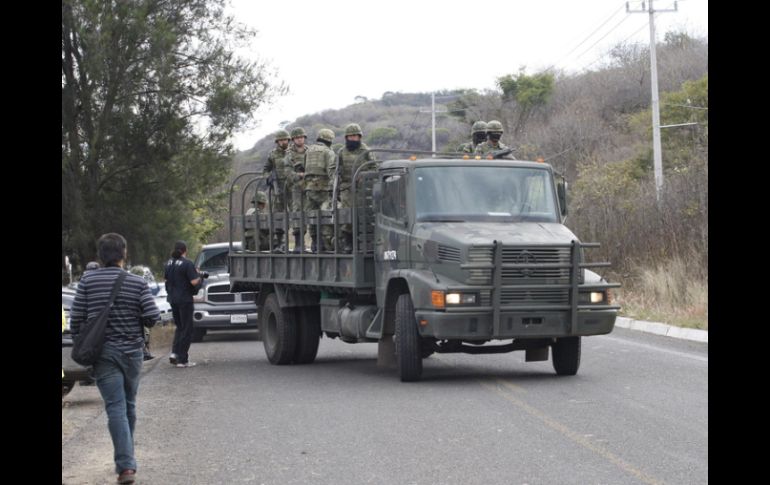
<point x="566" y="356"/>
<point x="279" y="331"/>
<point x="408" y="351"/>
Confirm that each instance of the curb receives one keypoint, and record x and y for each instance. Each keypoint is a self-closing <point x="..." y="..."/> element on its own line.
<point x="658" y="328"/>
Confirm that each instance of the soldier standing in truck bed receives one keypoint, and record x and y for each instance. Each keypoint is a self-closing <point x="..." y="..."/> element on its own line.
<point x="294" y="163"/>
<point x="478" y="135"/>
<point x="275" y="173"/>
<point x="346" y="157"/>
<point x="493" y="143"/>
<point x="319" y="159"/>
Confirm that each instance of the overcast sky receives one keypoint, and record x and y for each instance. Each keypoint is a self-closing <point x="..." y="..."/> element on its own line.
<point x="328" y="52"/>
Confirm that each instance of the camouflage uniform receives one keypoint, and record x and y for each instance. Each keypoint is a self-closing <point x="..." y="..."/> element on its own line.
<point x="346" y="158"/>
<point x="264" y="234"/>
<point x="470" y="147"/>
<point x="275" y="168"/>
<point x="275" y="161"/>
<point x="318" y="160"/>
<point x="294" y="183"/>
<point x="493" y="128"/>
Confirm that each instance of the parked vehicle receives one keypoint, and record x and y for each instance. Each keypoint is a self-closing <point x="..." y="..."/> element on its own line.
<point x="216" y="307"/>
<point x="73" y="372"/>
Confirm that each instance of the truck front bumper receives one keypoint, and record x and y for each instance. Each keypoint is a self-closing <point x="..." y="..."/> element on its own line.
<point x="469" y="325"/>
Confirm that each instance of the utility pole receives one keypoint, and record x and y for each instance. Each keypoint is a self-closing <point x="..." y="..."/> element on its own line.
<point x="656" y="150"/>
<point x="433" y="112"/>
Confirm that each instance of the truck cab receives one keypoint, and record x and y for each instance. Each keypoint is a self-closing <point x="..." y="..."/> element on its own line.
<point x="449" y="255"/>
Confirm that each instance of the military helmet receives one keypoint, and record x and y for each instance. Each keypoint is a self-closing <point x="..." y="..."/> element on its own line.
<point x="495" y="126"/>
<point x="353" y="129"/>
<point x="298" y="132"/>
<point x="479" y="127"/>
<point x="325" y="134"/>
<point x="281" y="135"/>
<point x="260" y="197"/>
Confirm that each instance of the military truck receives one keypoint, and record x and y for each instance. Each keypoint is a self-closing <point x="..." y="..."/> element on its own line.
<point x="450" y="253"/>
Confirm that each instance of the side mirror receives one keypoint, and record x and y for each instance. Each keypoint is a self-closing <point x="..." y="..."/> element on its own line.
<point x="377" y="192"/>
<point x="561" y="192"/>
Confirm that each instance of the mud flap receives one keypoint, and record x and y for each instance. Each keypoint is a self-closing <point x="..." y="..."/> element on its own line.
<point x="534" y="355"/>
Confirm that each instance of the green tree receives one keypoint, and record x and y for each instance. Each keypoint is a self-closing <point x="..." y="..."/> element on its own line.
<point x="151" y="92"/>
<point x="529" y="93"/>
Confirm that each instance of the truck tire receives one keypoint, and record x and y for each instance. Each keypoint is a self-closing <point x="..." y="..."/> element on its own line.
<point x="566" y="356"/>
<point x="408" y="352"/>
<point x="279" y="331"/>
<point x="198" y="334"/>
<point x="308" y="334"/>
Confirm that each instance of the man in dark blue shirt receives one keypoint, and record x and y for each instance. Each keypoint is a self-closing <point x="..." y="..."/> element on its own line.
<point x="181" y="280"/>
<point x="119" y="366"/>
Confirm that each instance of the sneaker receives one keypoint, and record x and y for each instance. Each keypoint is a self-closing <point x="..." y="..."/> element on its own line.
<point x="172" y="358"/>
<point x="148" y="356"/>
<point x="186" y="364"/>
<point x="127" y="476"/>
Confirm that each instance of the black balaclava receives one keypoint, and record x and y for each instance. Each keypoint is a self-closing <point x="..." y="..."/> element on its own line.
<point x="352" y="144"/>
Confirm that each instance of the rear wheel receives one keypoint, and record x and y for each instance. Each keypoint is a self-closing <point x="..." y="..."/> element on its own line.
<point x="198" y="334"/>
<point x="408" y="351"/>
<point x="308" y="334"/>
<point x="279" y="331"/>
<point x="566" y="356"/>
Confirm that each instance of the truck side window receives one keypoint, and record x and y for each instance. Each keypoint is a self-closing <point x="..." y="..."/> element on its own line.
<point x="393" y="194"/>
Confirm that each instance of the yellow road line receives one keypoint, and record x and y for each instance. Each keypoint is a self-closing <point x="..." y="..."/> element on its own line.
<point x="565" y="431"/>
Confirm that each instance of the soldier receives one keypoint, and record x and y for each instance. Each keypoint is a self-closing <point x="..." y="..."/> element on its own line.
<point x="319" y="163"/>
<point x="478" y="135"/>
<point x="260" y="201"/>
<point x="342" y="167"/>
<point x="493" y="144"/>
<point x="294" y="163"/>
<point x="275" y="173"/>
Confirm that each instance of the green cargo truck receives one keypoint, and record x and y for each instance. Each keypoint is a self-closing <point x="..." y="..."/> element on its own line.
<point x="449" y="254"/>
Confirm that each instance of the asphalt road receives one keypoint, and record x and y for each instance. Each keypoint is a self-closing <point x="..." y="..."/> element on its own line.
<point x="637" y="412"/>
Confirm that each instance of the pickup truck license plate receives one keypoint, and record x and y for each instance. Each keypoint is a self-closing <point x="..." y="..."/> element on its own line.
<point x="238" y="319"/>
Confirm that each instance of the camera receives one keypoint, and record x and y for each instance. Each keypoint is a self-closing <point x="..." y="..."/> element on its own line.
<point x="204" y="275"/>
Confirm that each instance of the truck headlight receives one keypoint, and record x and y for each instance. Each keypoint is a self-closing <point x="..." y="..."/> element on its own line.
<point x="597" y="296"/>
<point x="461" y="299"/>
<point x="200" y="297"/>
<point x="593" y="297"/>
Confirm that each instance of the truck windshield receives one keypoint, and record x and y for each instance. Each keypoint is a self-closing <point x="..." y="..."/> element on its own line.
<point x="493" y="194"/>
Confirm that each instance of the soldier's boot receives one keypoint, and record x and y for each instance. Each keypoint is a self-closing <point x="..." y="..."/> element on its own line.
<point x="278" y="246"/>
<point x="298" y="243"/>
<point x="347" y="242"/>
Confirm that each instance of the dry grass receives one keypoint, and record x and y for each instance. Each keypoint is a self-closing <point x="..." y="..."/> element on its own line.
<point x="673" y="292"/>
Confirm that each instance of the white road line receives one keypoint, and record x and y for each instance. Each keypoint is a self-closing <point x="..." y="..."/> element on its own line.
<point x="686" y="355"/>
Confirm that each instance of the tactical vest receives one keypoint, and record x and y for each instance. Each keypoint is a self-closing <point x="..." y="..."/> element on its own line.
<point x="486" y="147"/>
<point x="347" y="159"/>
<point x="317" y="159"/>
<point x="275" y="161"/>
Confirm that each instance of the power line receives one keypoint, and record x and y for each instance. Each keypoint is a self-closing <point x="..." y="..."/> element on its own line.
<point x="588" y="37"/>
<point x="622" y="41"/>
<point x="602" y="37"/>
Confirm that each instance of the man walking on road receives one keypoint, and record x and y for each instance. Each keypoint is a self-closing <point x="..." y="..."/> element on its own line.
<point x="119" y="366"/>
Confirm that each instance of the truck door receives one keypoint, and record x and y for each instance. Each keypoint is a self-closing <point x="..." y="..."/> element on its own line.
<point x="391" y="240"/>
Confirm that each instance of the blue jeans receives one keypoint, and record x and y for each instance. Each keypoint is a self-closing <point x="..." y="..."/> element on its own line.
<point x="117" y="377"/>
